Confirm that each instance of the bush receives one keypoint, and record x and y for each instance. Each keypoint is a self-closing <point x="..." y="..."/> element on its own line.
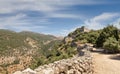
<point x="111" y="45"/>
<point x="109" y="31"/>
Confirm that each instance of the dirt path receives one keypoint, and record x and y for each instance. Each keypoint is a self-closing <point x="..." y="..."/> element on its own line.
<point x="106" y="64"/>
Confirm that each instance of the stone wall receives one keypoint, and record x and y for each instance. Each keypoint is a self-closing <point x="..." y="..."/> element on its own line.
<point x="79" y="64"/>
<point x="75" y="65"/>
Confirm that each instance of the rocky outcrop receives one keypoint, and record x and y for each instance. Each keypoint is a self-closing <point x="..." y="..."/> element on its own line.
<point x="68" y="39"/>
<point x="31" y="42"/>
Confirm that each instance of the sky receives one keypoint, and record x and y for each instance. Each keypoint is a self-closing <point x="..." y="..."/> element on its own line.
<point x="58" y="17"/>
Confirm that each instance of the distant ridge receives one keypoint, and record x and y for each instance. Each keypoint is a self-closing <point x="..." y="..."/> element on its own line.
<point x="19" y="49"/>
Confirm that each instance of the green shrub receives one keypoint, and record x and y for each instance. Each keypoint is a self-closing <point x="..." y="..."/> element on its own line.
<point x="111" y="45"/>
<point x="109" y="31"/>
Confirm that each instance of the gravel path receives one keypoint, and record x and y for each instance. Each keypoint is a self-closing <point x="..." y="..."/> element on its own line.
<point x="106" y="63"/>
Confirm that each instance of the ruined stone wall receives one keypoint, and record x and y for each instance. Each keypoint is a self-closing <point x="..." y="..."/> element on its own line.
<point x="79" y="64"/>
<point x="75" y="65"/>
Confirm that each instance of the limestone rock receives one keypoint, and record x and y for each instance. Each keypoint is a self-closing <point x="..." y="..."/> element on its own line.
<point x="18" y="72"/>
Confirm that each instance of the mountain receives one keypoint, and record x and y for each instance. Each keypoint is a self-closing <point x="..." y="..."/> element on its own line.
<point x="18" y="50"/>
<point x="28" y="49"/>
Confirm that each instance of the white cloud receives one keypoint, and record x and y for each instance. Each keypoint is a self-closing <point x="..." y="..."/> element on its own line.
<point x="46" y="6"/>
<point x="65" y="32"/>
<point x="117" y="23"/>
<point x="13" y="20"/>
<point x="28" y="28"/>
<point x="97" y="22"/>
<point x="105" y="16"/>
<point x="58" y="15"/>
<point x="101" y="21"/>
<point x="50" y="8"/>
<point x="19" y="23"/>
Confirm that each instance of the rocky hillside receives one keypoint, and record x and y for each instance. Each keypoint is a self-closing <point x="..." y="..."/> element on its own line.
<point x="79" y="64"/>
<point x="18" y="50"/>
<point x="28" y="49"/>
<point x="107" y="38"/>
<point x="32" y="49"/>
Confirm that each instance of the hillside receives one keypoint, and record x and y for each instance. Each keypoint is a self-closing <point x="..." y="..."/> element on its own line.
<point x="18" y="50"/>
<point x="29" y="49"/>
<point x="107" y="38"/>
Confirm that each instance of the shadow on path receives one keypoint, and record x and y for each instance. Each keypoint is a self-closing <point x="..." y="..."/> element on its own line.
<point x="112" y="56"/>
<point x="116" y="57"/>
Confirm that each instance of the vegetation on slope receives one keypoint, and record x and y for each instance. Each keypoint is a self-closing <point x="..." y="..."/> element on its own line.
<point x="85" y="37"/>
<point x="49" y="49"/>
<point x="18" y="46"/>
<point x="55" y="53"/>
<point x="107" y="38"/>
<point x="67" y="48"/>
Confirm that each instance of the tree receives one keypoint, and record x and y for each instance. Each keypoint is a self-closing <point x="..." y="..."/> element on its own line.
<point x="109" y="31"/>
<point x="111" y="45"/>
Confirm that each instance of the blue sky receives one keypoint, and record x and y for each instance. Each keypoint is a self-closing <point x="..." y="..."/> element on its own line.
<point x="58" y="17"/>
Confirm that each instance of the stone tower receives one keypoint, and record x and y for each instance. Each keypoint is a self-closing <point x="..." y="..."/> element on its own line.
<point x="84" y="29"/>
